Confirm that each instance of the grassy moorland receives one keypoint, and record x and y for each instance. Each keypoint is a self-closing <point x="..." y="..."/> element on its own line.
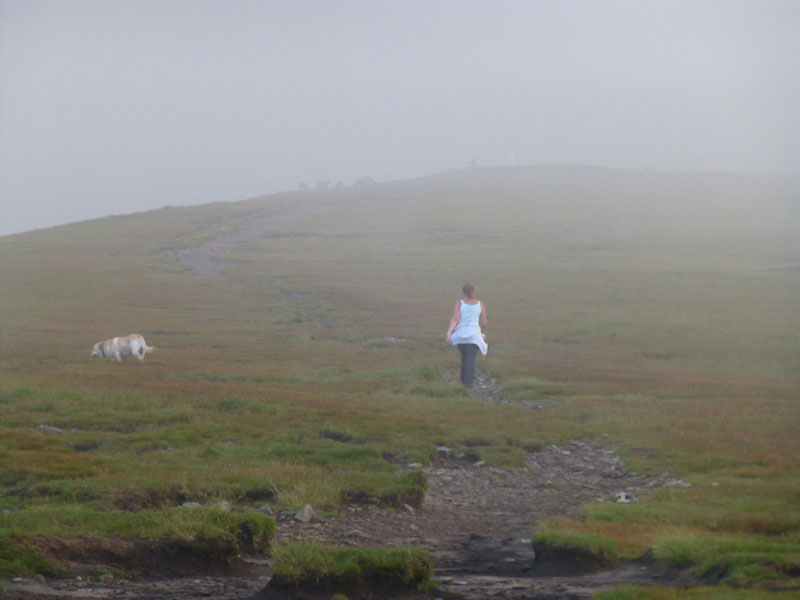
<point x="663" y="307"/>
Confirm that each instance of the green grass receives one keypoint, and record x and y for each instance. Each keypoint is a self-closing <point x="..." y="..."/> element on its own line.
<point x="439" y="391"/>
<point x="655" y="313"/>
<point x="73" y="519"/>
<point x="700" y="593"/>
<point x="19" y="560"/>
<point x="601" y="549"/>
<point x="744" y="561"/>
<point x="530" y="388"/>
<point x="343" y="569"/>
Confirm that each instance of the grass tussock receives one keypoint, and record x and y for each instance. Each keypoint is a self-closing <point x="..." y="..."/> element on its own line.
<point x="343" y="569"/>
<point x="18" y="559"/>
<point x="590" y="549"/>
<point x="617" y="540"/>
<point x="408" y="488"/>
<point x="239" y="532"/>
<point x="743" y="561"/>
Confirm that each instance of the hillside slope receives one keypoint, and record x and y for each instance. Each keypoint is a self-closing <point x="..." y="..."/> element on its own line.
<point x="587" y="272"/>
<point x="643" y="338"/>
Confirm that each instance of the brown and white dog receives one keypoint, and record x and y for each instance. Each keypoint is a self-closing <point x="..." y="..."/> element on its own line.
<point x="122" y="347"/>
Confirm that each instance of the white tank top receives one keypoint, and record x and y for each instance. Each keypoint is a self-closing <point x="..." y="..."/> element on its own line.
<point x="468" y="330"/>
<point x="470" y="313"/>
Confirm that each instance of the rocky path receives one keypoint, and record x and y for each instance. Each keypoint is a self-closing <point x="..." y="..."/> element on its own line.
<point x="478" y="521"/>
<point x="206" y="259"/>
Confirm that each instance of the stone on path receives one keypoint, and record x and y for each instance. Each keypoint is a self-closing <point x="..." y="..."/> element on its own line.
<point x="50" y="430"/>
<point x="305" y="514"/>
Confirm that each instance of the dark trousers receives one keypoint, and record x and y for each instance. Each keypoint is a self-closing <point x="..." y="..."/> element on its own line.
<point x="469" y="356"/>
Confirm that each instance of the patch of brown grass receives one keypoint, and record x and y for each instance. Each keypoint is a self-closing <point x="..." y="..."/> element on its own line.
<point x="50" y="464"/>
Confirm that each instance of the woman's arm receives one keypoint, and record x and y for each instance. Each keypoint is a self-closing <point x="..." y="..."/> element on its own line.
<point x="484" y="321"/>
<point x="454" y="320"/>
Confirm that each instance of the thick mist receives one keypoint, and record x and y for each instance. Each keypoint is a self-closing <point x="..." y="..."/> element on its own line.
<point x="116" y="107"/>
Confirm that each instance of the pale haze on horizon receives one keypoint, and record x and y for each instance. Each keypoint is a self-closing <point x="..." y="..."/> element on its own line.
<point x="110" y="107"/>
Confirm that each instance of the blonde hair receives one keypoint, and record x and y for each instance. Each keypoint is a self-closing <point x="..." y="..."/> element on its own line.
<point x="469" y="290"/>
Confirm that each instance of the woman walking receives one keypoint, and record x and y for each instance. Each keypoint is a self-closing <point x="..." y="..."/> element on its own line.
<point x="466" y="331"/>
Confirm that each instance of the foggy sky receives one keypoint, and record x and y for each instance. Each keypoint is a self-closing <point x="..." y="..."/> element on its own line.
<point x="118" y="106"/>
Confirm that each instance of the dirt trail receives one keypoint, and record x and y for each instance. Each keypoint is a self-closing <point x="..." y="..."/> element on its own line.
<point x="205" y="259"/>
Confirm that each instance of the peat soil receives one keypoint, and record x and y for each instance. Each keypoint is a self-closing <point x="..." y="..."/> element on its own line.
<point x="477" y="522"/>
